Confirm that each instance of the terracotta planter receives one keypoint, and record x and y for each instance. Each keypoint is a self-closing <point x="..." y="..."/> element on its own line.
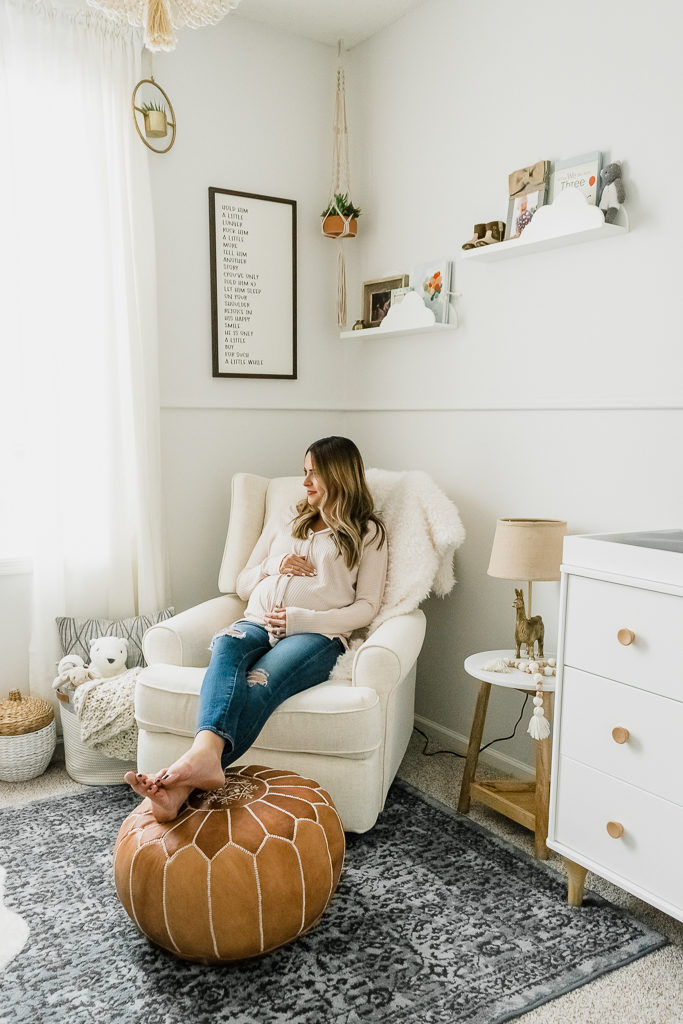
<point x="156" y="125"/>
<point x="333" y="227"/>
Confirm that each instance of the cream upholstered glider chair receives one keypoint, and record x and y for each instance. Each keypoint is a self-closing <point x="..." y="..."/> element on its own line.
<point x="350" y="736"/>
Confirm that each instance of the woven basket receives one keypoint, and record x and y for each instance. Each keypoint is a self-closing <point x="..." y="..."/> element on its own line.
<point x="28" y="735"/>
<point x="85" y="764"/>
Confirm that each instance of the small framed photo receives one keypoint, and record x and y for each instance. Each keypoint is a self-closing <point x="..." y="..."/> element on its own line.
<point x="399" y="294"/>
<point x="521" y="210"/>
<point x="377" y="298"/>
<point x="581" y="173"/>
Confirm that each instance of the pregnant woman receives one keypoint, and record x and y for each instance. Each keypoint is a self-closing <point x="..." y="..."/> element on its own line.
<point x="313" y="578"/>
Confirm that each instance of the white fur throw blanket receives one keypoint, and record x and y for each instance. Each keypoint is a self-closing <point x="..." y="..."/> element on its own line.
<point x="424" y="530"/>
<point x="105" y="709"/>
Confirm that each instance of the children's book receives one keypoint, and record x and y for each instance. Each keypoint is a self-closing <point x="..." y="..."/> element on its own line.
<point x="432" y="280"/>
<point x="581" y="173"/>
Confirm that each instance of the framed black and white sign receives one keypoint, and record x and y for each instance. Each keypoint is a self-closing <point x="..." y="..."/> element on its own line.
<point x="253" y="284"/>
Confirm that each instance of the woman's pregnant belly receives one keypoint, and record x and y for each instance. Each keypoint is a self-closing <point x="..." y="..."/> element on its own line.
<point x="293" y="591"/>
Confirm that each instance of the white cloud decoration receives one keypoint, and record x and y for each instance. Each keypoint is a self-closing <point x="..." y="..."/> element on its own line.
<point x="569" y="213"/>
<point x="411" y="312"/>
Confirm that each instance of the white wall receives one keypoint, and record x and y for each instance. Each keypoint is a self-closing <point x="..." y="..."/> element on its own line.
<point x="560" y="394"/>
<point x="254" y="109"/>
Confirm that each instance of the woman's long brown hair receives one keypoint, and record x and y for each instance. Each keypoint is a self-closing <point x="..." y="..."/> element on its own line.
<point x="347" y="506"/>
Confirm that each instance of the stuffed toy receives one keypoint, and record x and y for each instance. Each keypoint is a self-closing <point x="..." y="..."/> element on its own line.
<point x="108" y="656"/>
<point x="613" y="191"/>
<point x="71" y="672"/>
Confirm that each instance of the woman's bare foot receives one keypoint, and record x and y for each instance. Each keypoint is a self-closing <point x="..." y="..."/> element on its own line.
<point x="199" y="768"/>
<point x="164" y="804"/>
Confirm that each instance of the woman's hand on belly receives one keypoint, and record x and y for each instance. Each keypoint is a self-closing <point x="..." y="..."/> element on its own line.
<point x="295" y="565"/>
<point x="276" y="622"/>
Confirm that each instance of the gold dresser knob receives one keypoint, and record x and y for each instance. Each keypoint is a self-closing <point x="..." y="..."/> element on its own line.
<point x="620" y="734"/>
<point x="615" y="829"/>
<point x="626" y="637"/>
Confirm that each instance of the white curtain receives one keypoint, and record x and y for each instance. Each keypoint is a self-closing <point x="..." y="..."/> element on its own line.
<point x="79" y="416"/>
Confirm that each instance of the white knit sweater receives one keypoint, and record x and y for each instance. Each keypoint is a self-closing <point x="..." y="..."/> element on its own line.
<point x="334" y="602"/>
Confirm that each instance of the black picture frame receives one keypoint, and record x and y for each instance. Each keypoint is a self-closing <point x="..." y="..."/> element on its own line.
<point x="253" y="254"/>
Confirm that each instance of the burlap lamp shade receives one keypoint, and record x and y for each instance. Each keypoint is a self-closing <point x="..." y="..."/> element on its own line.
<point x="527" y="549"/>
<point x="242" y="870"/>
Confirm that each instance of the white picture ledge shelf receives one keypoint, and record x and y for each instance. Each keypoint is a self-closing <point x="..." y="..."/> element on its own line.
<point x="518" y="246"/>
<point x="375" y="332"/>
<point x="569" y="220"/>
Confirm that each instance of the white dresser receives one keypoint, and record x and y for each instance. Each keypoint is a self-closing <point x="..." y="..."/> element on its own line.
<point x="616" y="796"/>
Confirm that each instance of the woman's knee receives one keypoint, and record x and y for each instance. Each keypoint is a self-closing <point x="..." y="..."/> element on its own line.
<point x="257" y="677"/>
<point x="224" y="637"/>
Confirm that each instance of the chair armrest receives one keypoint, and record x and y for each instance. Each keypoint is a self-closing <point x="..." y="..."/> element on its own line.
<point x="388" y="655"/>
<point x="184" y="639"/>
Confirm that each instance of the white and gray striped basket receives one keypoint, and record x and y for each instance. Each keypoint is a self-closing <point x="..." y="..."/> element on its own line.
<point x="26" y="756"/>
<point x="84" y="764"/>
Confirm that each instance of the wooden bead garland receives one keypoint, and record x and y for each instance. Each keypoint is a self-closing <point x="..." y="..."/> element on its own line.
<point x="539" y="726"/>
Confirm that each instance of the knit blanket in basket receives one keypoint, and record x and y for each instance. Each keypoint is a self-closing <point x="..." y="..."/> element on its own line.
<point x="424" y="530"/>
<point x="105" y="709"/>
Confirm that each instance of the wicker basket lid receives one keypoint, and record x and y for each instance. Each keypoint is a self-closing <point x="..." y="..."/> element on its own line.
<point x="19" y="715"/>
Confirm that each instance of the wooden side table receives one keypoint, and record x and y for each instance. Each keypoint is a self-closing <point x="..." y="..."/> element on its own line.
<point x="526" y="803"/>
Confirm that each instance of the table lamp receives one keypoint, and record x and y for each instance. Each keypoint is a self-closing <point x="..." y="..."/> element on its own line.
<point x="530" y="550"/>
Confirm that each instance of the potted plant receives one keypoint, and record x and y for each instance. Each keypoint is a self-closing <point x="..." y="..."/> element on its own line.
<point x="156" y="122"/>
<point x="335" y="216"/>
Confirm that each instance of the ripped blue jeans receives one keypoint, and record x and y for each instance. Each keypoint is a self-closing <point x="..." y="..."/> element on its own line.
<point x="247" y="679"/>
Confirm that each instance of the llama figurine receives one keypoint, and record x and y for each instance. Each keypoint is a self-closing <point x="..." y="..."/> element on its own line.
<point x="527" y="631"/>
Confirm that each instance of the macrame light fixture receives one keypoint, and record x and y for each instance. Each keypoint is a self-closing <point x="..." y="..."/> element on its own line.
<point x="160" y="18"/>
<point x="340" y="216"/>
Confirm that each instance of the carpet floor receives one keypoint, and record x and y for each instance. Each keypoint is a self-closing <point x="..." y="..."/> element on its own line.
<point x="480" y="933"/>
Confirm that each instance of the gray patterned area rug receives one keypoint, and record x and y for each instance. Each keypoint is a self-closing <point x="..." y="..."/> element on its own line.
<point x="434" y="922"/>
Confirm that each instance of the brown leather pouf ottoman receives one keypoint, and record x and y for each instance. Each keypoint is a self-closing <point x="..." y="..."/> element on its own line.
<point x="242" y="870"/>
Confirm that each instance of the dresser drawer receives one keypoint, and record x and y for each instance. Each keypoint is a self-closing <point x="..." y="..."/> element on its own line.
<point x="651" y="752"/>
<point x="648" y="854"/>
<point x="597" y="611"/>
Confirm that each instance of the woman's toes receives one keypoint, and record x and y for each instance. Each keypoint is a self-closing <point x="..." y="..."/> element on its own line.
<point x="177" y="772"/>
<point x="167" y="806"/>
<point x="138" y="787"/>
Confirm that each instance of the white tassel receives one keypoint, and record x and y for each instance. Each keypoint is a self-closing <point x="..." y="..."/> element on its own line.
<point x="341" y="287"/>
<point x="539" y="726"/>
<point x="159" y="33"/>
<point x="497" y="665"/>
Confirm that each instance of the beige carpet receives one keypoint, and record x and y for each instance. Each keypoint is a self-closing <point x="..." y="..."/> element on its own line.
<point x="649" y="991"/>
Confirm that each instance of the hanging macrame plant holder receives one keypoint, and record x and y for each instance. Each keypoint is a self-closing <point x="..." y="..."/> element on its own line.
<point x="337" y="221"/>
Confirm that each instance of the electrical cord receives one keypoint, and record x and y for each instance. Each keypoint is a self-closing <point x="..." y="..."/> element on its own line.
<point x="499" y="739"/>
